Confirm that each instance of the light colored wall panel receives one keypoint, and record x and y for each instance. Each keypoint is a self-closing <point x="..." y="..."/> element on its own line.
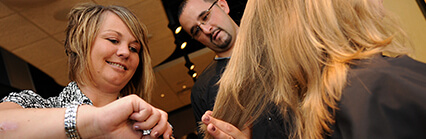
<point x="60" y="37"/>
<point x="164" y="96"/>
<point x="41" y="53"/>
<point x="148" y="14"/>
<point x="176" y="81"/>
<point x="161" y="50"/>
<point x="51" y="17"/>
<point x="17" y="32"/>
<point x="58" y="70"/>
<point x="125" y="3"/>
<point x="202" y="59"/>
<point x="4" y="11"/>
<point x="413" y="21"/>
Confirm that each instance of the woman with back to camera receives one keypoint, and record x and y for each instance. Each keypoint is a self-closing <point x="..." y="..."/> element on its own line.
<point x="110" y="69"/>
<point x="321" y="64"/>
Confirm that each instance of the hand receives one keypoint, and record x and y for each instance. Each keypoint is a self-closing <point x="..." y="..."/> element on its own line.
<point x="219" y="129"/>
<point x="161" y="127"/>
<point x="127" y="116"/>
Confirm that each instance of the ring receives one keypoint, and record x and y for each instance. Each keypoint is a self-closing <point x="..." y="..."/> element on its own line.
<point x="148" y="132"/>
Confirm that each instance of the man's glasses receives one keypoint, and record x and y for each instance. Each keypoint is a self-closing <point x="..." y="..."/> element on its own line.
<point x="203" y="18"/>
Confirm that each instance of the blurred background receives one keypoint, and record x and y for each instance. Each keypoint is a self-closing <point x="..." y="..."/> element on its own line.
<point x="32" y="54"/>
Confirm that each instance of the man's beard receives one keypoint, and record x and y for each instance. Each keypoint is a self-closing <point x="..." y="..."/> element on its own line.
<point x="226" y="43"/>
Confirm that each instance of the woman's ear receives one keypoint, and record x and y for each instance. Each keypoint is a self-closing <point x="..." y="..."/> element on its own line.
<point x="223" y="5"/>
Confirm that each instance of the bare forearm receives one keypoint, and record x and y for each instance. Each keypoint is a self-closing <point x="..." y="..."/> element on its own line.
<point x="32" y="123"/>
<point x="110" y="121"/>
<point x="43" y="123"/>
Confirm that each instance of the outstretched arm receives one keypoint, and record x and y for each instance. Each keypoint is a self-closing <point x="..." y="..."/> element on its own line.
<point x="111" y="120"/>
<point x="17" y="122"/>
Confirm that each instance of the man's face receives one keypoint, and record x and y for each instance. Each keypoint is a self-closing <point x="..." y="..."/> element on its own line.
<point x="209" y="24"/>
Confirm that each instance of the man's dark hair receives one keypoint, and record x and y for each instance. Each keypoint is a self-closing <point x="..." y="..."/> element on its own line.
<point x="183" y="4"/>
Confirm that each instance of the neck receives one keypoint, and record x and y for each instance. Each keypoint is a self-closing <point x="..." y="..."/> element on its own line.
<point x="99" y="97"/>
<point x="226" y="53"/>
<point x="229" y="52"/>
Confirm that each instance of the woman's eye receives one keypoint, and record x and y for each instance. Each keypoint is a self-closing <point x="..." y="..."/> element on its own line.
<point x="113" y="41"/>
<point x="133" y="49"/>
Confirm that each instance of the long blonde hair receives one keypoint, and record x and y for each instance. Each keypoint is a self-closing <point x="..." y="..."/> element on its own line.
<point x="295" y="54"/>
<point x="84" y="22"/>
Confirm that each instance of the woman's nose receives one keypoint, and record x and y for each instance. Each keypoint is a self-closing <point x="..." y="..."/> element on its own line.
<point x="123" y="51"/>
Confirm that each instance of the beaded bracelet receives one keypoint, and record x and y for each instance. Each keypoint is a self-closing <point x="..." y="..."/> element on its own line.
<point x="70" y="122"/>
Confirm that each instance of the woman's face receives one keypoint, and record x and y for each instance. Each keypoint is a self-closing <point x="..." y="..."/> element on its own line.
<point x="114" y="55"/>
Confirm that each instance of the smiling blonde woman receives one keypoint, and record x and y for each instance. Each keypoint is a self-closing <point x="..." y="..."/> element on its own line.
<point x="111" y="75"/>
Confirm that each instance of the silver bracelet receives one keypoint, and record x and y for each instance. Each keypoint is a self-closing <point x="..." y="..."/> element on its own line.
<point x="71" y="122"/>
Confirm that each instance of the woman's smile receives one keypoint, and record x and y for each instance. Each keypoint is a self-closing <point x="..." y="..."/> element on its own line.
<point x="117" y="65"/>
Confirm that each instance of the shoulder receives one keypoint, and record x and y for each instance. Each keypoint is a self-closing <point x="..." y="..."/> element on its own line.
<point x="383" y="76"/>
<point x="384" y="97"/>
<point x="216" y="67"/>
<point x="27" y="99"/>
<point x="209" y="76"/>
<point x="71" y="94"/>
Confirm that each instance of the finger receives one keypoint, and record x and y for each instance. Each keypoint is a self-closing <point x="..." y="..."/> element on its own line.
<point x="206" y="117"/>
<point x="161" y="126"/>
<point x="216" y="133"/>
<point x="168" y="134"/>
<point x="150" y="122"/>
<point x="147" y="137"/>
<point x="139" y="104"/>
<point x="226" y="128"/>
<point x="141" y="115"/>
<point x="208" y="113"/>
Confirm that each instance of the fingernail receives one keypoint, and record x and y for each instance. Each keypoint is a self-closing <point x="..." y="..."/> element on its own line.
<point x="213" y="128"/>
<point x="156" y="134"/>
<point x="207" y="118"/>
<point x="137" y="127"/>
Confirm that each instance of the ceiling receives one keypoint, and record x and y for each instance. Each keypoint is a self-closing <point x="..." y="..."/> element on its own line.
<point x="34" y="31"/>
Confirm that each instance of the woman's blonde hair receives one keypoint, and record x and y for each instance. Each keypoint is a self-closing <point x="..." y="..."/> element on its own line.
<point x="84" y="22"/>
<point x="295" y="54"/>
